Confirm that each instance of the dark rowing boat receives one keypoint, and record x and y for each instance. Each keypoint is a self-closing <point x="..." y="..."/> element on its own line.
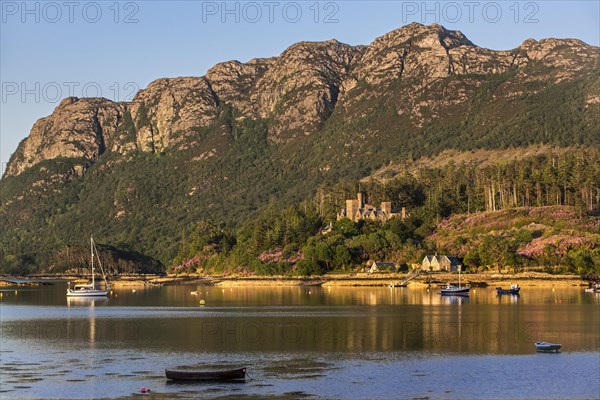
<point x="514" y="289"/>
<point x="234" y="375"/>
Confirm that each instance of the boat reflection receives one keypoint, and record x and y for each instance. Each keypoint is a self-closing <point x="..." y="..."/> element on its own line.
<point x="86" y="301"/>
<point x="454" y="299"/>
<point x="511" y="299"/>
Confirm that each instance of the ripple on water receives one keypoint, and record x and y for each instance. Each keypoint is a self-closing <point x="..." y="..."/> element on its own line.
<point x="299" y="369"/>
<point x="298" y="394"/>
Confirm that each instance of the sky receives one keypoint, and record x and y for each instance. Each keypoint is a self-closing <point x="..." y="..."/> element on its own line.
<point x="50" y="50"/>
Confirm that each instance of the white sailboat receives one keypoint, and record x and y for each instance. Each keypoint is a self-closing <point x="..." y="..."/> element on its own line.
<point x="453" y="290"/>
<point x="90" y="289"/>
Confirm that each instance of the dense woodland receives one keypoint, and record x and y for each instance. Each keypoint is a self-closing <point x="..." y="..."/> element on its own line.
<point x="288" y="240"/>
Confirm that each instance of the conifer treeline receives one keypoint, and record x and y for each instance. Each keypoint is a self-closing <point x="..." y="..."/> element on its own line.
<point x="571" y="178"/>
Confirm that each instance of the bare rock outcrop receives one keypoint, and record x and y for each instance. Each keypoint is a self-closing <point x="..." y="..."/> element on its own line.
<point x="171" y="109"/>
<point x="432" y="71"/>
<point x="413" y="51"/>
<point x="78" y="128"/>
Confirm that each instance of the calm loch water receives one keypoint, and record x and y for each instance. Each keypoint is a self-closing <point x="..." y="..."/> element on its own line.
<point x="301" y="341"/>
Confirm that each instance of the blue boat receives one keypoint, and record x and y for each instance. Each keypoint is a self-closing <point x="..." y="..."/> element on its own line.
<point x="545" y="347"/>
<point x="514" y="289"/>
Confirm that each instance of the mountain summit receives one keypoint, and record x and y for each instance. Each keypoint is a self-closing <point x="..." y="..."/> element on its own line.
<point x="302" y="88"/>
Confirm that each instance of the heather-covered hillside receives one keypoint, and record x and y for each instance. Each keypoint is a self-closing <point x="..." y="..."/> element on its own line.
<point x="551" y="236"/>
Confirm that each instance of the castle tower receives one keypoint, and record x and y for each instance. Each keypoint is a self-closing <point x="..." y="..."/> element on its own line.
<point x="386" y="207"/>
<point x="361" y="200"/>
<point x="351" y="209"/>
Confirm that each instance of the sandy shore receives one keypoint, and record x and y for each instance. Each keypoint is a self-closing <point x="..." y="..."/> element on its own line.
<point x="441" y="279"/>
<point x="364" y="279"/>
<point x="357" y="279"/>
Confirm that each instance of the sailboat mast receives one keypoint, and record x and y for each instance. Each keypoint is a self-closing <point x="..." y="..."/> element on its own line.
<point x="92" y="248"/>
<point x="459" y="269"/>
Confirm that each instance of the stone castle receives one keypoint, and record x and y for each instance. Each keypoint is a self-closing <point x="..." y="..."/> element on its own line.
<point x="357" y="209"/>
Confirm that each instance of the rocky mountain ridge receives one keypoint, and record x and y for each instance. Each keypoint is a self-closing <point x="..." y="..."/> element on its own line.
<point x="298" y="91"/>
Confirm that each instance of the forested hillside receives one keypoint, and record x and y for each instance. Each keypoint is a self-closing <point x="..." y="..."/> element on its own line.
<point x="298" y="132"/>
<point x="545" y="218"/>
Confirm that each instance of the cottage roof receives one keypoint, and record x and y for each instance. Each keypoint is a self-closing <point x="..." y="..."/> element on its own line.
<point x="384" y="264"/>
<point x="453" y="260"/>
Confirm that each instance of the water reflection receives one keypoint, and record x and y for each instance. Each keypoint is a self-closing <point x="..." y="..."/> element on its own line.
<point x="86" y="301"/>
<point x="309" y="319"/>
<point x="131" y="336"/>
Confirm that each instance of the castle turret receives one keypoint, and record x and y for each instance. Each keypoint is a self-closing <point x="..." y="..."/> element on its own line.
<point x="386" y="207"/>
<point x="352" y="208"/>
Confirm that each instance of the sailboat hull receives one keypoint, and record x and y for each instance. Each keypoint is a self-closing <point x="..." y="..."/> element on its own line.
<point x="87" y="293"/>
<point x="455" y="291"/>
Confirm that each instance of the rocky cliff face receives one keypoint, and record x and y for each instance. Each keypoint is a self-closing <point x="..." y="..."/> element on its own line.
<point x="299" y="90"/>
<point x="78" y="128"/>
<point x="172" y="107"/>
<point x="414" y="51"/>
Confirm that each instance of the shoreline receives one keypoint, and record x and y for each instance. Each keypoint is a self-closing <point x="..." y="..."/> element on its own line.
<point x="524" y="279"/>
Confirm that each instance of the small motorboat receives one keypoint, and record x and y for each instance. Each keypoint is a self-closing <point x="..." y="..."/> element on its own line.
<point x="545" y="347"/>
<point x="514" y="289"/>
<point x="233" y="375"/>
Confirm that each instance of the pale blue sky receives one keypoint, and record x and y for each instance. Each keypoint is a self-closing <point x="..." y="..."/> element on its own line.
<point x="49" y="49"/>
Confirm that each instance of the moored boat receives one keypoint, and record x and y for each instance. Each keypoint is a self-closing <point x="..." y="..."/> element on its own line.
<point x="86" y="290"/>
<point x="234" y="375"/>
<point x="514" y="289"/>
<point x="595" y="287"/>
<point x="545" y="347"/>
<point x="90" y="289"/>
<point x="451" y="290"/>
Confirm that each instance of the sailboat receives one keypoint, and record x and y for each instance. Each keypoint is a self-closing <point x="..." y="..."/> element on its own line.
<point x="450" y="290"/>
<point x="90" y="289"/>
